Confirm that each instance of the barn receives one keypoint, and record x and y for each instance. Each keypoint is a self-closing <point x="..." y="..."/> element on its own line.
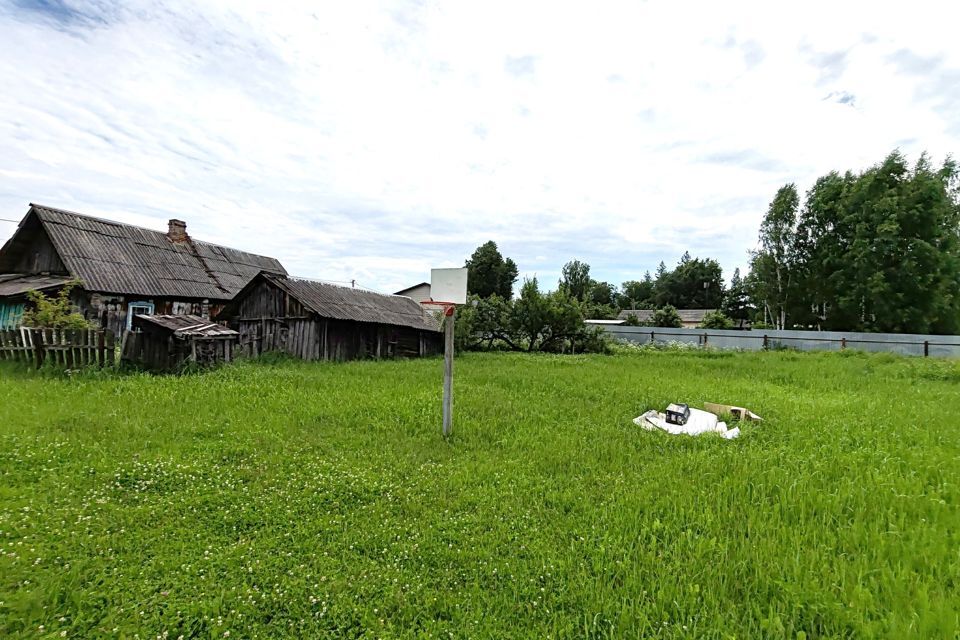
<point x="321" y="321"/>
<point x="124" y="270"/>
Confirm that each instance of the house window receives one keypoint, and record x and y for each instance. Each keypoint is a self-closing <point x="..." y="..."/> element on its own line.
<point x="138" y="308"/>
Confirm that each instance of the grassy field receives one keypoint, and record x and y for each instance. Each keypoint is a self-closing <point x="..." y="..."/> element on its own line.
<point x="319" y="500"/>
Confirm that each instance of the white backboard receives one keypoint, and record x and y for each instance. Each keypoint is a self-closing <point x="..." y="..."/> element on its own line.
<point x="449" y="285"/>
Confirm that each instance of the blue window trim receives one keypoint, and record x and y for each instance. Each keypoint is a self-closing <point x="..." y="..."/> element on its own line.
<point x="147" y="309"/>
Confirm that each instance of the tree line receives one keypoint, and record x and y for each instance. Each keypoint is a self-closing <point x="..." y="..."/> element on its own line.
<point x="877" y="250"/>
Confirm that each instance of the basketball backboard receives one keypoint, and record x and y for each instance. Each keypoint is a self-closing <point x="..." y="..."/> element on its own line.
<point x="449" y="285"/>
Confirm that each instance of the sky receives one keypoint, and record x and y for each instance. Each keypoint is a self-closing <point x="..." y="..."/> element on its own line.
<point x="371" y="141"/>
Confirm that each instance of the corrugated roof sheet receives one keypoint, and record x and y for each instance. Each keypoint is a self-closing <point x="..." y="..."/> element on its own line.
<point x="12" y="284"/>
<point x="120" y="258"/>
<point x="188" y="325"/>
<point x="360" y="305"/>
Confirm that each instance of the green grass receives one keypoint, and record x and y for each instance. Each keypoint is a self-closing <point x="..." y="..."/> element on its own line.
<point x="319" y="500"/>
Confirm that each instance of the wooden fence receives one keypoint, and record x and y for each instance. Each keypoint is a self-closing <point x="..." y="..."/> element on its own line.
<point x="69" y="348"/>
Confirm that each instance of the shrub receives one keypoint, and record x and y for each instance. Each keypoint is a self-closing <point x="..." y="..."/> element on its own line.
<point x="666" y="317"/>
<point x="54" y="312"/>
<point x="535" y="321"/>
<point x="716" y="320"/>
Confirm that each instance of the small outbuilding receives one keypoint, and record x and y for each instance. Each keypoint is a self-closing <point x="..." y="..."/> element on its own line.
<point x="321" y="321"/>
<point x="168" y="342"/>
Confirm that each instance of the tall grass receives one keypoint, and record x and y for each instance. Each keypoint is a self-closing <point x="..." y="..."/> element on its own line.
<point x="289" y="499"/>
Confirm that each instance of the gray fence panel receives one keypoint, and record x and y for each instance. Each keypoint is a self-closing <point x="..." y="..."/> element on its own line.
<point x="906" y="343"/>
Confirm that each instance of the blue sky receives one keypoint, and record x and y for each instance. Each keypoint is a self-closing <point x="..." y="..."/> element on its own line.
<point x="372" y="141"/>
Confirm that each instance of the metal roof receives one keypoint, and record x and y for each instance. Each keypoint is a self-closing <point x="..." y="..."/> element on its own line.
<point x="360" y="305"/>
<point x="12" y="284"/>
<point x="404" y="292"/>
<point x="112" y="257"/>
<point x="188" y="326"/>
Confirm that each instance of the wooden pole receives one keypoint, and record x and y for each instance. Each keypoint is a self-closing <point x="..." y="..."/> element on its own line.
<point x="448" y="373"/>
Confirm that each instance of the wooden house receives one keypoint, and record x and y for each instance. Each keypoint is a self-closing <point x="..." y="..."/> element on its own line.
<point x="320" y="321"/>
<point x="124" y="270"/>
<point x="167" y="343"/>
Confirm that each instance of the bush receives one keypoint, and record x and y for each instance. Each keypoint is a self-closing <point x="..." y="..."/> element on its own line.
<point x="54" y="312"/>
<point x="666" y="317"/>
<point x="535" y="321"/>
<point x="632" y="320"/>
<point x="716" y="320"/>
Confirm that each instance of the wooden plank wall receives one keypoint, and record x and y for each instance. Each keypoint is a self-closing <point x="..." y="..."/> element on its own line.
<point x="69" y="348"/>
<point x="158" y="352"/>
<point x="110" y="312"/>
<point x="324" y="339"/>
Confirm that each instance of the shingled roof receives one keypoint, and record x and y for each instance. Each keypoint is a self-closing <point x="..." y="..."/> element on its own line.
<point x="112" y="257"/>
<point x="348" y="303"/>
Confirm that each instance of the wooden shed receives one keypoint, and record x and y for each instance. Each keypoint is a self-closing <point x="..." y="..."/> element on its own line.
<point x="321" y="321"/>
<point x="168" y="342"/>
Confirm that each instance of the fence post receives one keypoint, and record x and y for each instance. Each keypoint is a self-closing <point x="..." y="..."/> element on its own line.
<point x="651" y="337"/>
<point x="766" y="345"/>
<point x="111" y="348"/>
<point x="705" y="336"/>
<point x="843" y="343"/>
<point x="926" y="348"/>
<point x="37" y="338"/>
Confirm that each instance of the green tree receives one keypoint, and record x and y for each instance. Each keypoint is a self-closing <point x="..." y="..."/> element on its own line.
<point x="535" y="321"/>
<point x="484" y="323"/>
<point x="54" y="312"/>
<point x="575" y="279"/>
<point x="716" y="320"/>
<point x="637" y="294"/>
<point x="873" y="251"/>
<point x="602" y="301"/>
<point x="736" y="302"/>
<point x="774" y="263"/>
<point x="547" y="321"/>
<point x="603" y="293"/>
<point x="488" y="273"/>
<point x="694" y="284"/>
<point x="666" y="316"/>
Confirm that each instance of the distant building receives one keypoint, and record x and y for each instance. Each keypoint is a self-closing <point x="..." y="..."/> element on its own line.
<point x="320" y="321"/>
<point x="124" y="270"/>
<point x="418" y="292"/>
<point x="691" y="318"/>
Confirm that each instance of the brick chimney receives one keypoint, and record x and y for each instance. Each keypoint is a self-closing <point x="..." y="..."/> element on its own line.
<point x="177" y="231"/>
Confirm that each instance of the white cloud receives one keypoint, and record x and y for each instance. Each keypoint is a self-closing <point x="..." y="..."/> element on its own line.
<point x="374" y="140"/>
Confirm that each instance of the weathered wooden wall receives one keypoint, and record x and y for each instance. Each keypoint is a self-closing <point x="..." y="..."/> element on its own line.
<point x="161" y="351"/>
<point x="271" y="320"/>
<point x="40" y="256"/>
<point x="110" y="311"/>
<point x="267" y="301"/>
<point x="317" y="338"/>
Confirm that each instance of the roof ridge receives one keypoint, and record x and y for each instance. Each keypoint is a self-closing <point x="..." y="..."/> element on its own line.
<point x="137" y="226"/>
<point x="331" y="283"/>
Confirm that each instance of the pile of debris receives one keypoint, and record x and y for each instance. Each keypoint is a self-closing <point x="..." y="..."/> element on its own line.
<point x="681" y="419"/>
